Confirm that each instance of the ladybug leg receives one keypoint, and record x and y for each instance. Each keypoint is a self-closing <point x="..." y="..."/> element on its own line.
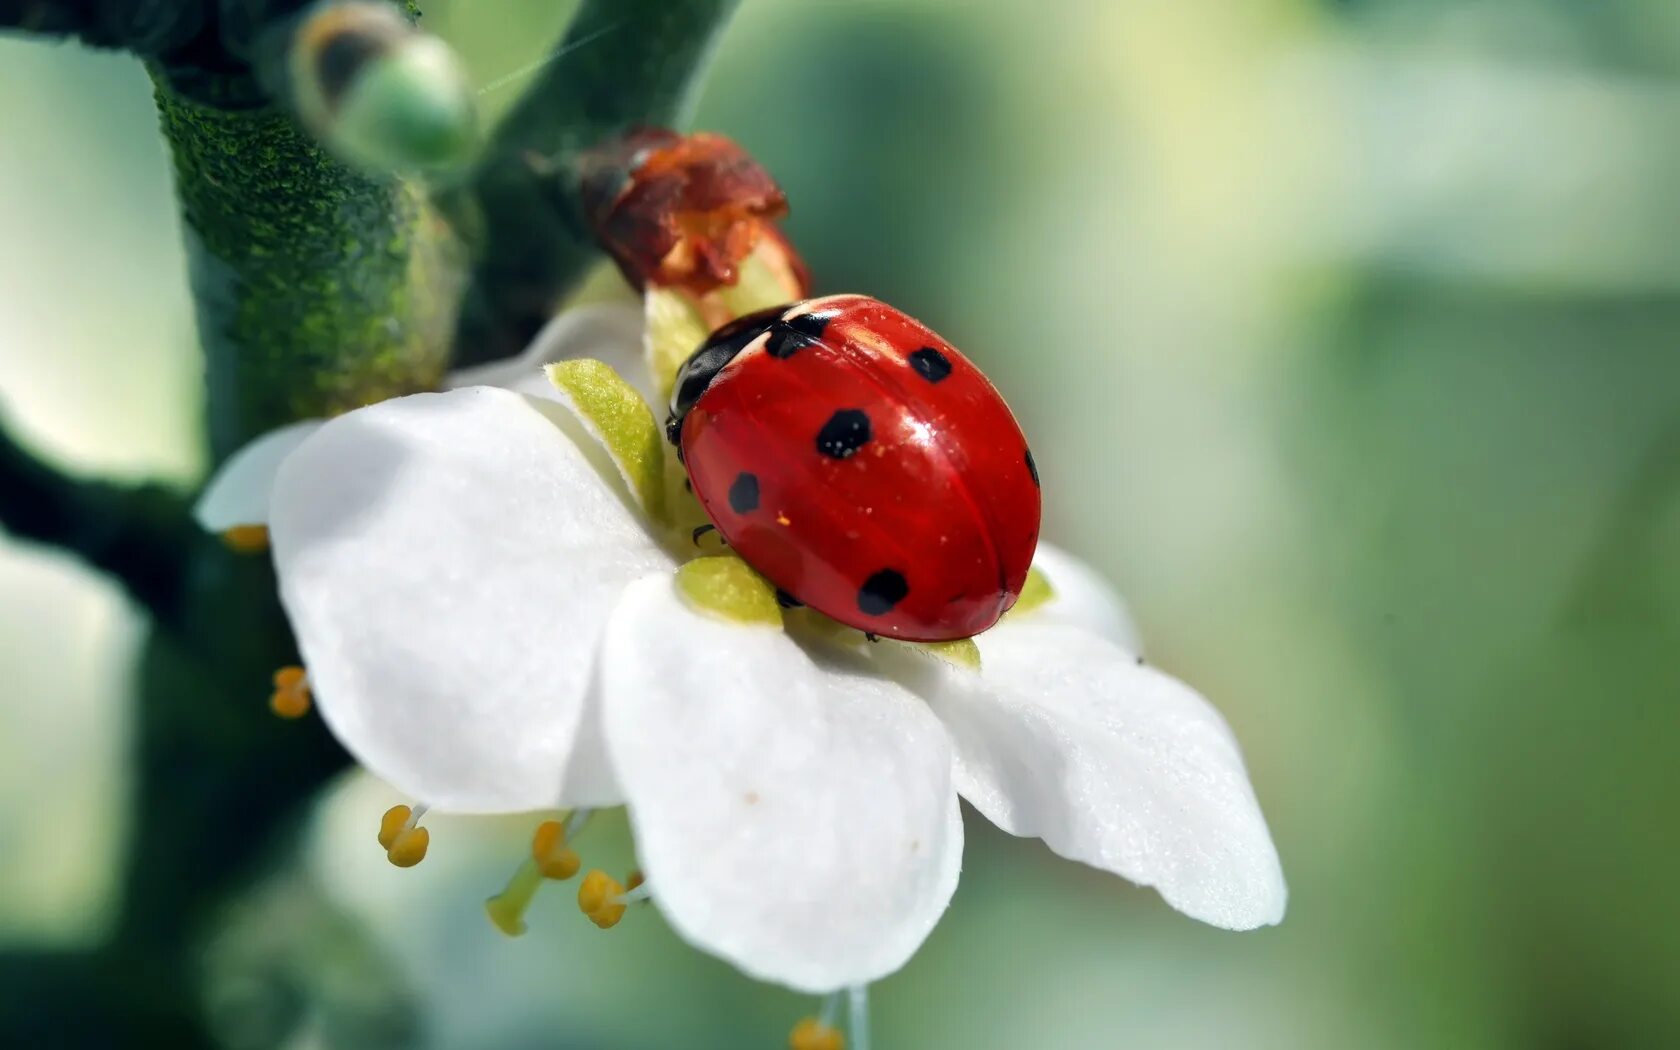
<point x="701" y="530"/>
<point x="871" y="636"/>
<point x="788" y="601"/>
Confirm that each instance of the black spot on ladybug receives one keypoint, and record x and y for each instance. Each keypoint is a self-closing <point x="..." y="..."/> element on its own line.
<point x="930" y="364"/>
<point x="882" y="591"/>
<point x="845" y="432"/>
<point x="788" y="601"/>
<point x="1032" y="468"/>
<point x="743" y="493"/>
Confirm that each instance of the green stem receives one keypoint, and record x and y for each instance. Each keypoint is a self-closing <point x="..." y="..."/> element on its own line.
<point x="624" y="64"/>
<point x="138" y="536"/>
<point x="318" y="290"/>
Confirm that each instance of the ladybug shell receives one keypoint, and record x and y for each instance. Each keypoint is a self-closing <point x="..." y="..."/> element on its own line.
<point x="862" y="465"/>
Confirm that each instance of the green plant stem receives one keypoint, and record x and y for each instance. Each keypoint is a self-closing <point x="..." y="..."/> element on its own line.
<point x="624" y="64"/>
<point x="317" y="290"/>
<point x="138" y="536"/>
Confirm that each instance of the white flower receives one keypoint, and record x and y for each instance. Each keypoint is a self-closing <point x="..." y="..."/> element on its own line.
<point x="492" y="621"/>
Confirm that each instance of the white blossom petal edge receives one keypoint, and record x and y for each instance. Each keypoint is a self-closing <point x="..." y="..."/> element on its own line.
<point x="1067" y="737"/>
<point x="797" y="819"/>
<point x="238" y="493"/>
<point x="448" y="562"/>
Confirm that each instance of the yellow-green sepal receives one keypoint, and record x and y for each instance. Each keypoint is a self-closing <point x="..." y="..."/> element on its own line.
<point x="617" y="417"/>
<point x="1034" y="593"/>
<point x="760" y="285"/>
<point x="961" y="652"/>
<point x="675" y="327"/>
<point x="674" y="331"/>
<point x="725" y="587"/>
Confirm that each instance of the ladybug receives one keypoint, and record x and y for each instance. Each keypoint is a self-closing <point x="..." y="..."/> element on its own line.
<point x="862" y="465"/>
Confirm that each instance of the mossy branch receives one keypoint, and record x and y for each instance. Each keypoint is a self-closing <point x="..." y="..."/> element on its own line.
<point x="317" y="289"/>
<point x="138" y="536"/>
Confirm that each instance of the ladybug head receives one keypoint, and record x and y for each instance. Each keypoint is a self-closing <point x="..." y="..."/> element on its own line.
<point x="704" y="364"/>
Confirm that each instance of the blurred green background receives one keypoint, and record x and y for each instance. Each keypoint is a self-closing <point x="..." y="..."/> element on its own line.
<point x="1346" y="335"/>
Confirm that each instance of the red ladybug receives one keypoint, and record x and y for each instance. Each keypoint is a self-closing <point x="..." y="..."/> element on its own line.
<point x="862" y="464"/>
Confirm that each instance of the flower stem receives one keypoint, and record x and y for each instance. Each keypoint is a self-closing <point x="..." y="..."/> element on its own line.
<point x="627" y="63"/>
<point x="317" y="289"/>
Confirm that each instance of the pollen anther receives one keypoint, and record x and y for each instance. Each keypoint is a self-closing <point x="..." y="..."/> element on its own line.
<point x="549" y="850"/>
<point x="812" y="1034"/>
<point x="600" y="897"/>
<point x="290" y="698"/>
<point x="405" y="843"/>
<point x="246" y="539"/>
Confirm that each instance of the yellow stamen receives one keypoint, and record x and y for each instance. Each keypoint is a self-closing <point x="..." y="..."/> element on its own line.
<point x="405" y="843"/>
<point x="290" y="698"/>
<point x="550" y="859"/>
<point x="598" y="895"/>
<point x="246" y="539"/>
<point x="812" y="1034"/>
<point x="548" y="849"/>
<point x="634" y="879"/>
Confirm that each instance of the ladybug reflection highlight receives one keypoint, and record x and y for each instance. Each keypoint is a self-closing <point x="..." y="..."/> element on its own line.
<point x="861" y="464"/>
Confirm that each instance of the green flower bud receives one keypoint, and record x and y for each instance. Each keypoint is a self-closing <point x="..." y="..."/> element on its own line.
<point x="381" y="94"/>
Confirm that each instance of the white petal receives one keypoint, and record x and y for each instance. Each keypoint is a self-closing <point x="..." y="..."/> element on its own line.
<point x="1064" y="736"/>
<point x="448" y="562"/>
<point x="238" y="492"/>
<point x="796" y="819"/>
<point x="1083" y="598"/>
<point x="590" y="781"/>
<point x="609" y="332"/>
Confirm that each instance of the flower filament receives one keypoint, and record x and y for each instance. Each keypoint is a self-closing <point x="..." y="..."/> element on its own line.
<point x="551" y="859"/>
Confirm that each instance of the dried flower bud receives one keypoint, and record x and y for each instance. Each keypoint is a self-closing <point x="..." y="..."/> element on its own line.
<point x="686" y="211"/>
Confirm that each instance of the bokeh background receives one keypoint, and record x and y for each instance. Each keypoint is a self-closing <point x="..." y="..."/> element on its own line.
<point x="1347" y="337"/>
